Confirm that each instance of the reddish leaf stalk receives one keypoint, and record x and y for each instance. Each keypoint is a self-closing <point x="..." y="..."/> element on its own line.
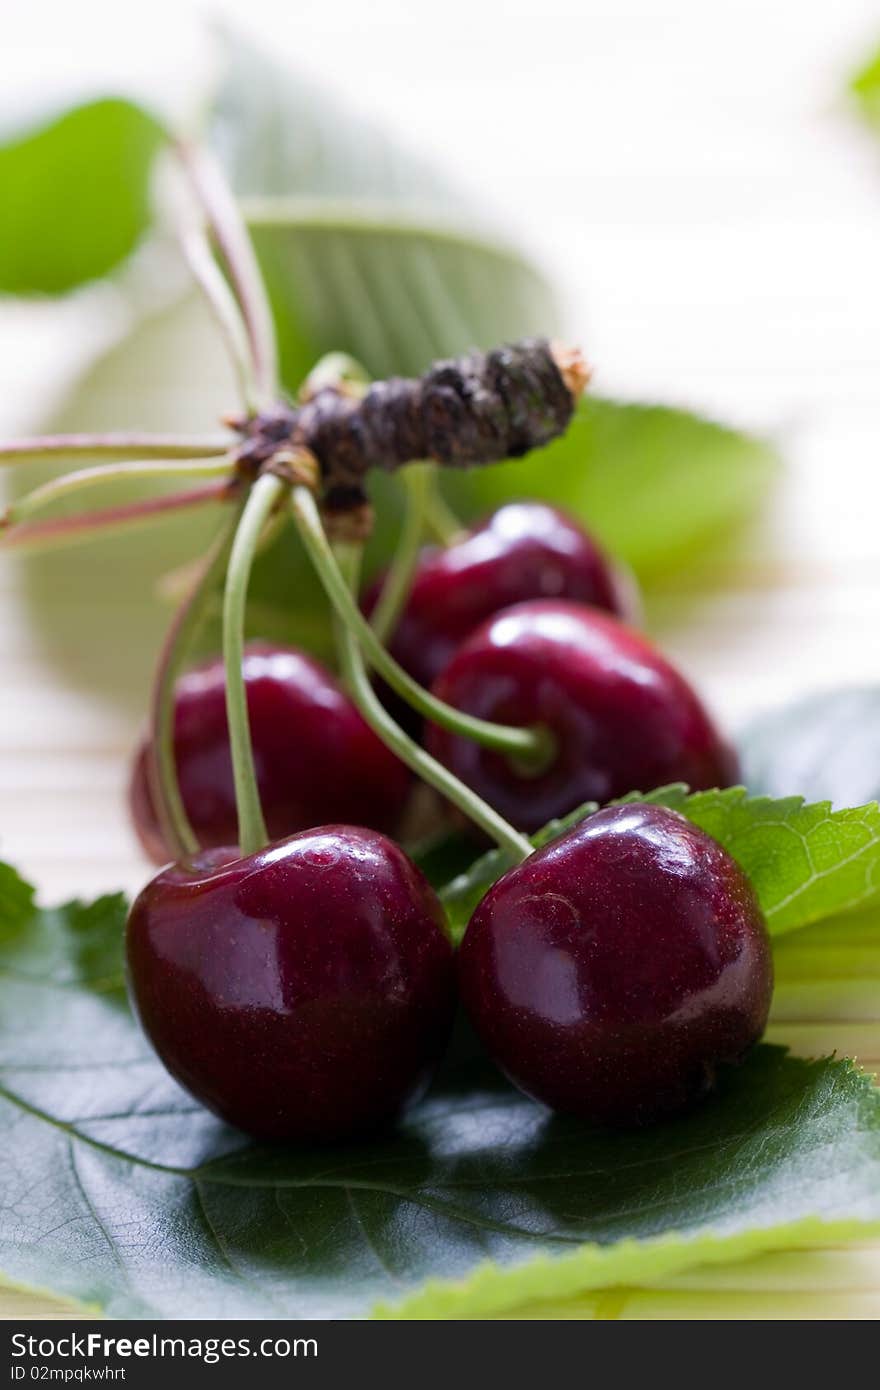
<point x="234" y="244"/>
<point x="71" y="529"/>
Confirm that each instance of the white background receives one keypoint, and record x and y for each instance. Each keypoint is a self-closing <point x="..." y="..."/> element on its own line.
<point x="690" y="171"/>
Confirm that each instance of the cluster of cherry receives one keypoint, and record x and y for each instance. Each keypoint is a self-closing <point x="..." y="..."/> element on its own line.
<point x="307" y="990"/>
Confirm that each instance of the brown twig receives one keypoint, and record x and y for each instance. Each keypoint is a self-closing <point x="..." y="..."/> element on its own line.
<point x="475" y="410"/>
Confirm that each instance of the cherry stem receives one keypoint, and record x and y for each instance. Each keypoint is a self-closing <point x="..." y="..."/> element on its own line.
<point x="440" y="519"/>
<point x="335" y="369"/>
<point x="85" y="478"/>
<point x="532" y="748"/>
<point x="227" y="314"/>
<point x="124" y="445"/>
<point x="357" y="678"/>
<point x="417" y="484"/>
<point x="264" y="495"/>
<point x="70" y="530"/>
<point x="234" y="244"/>
<point x="162" y="763"/>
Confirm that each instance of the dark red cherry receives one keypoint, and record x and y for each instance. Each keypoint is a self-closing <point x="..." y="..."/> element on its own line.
<point x="623" y="719"/>
<point x="614" y="972"/>
<point x="524" y="550"/>
<point x="303" y="992"/>
<point x="316" y="759"/>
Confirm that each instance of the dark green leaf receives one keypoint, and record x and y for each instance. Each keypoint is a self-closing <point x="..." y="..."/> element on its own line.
<point x="824" y="747"/>
<point x="118" y="1191"/>
<point x="443" y="856"/>
<point x="76" y="196"/>
<point x="76" y="944"/>
<point x="806" y="861"/>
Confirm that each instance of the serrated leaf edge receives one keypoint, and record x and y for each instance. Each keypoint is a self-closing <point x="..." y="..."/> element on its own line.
<point x="492" y="1290"/>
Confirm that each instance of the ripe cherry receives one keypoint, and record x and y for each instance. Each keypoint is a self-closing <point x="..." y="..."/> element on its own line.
<point x="524" y="550"/>
<point x="316" y="759"/>
<point x="303" y="992"/>
<point x="614" y="971"/>
<point x="621" y="717"/>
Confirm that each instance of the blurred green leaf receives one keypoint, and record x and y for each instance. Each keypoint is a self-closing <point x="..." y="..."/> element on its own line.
<point x="865" y="87"/>
<point x="365" y="248"/>
<point x="75" y="196"/>
<point x="654" y="483"/>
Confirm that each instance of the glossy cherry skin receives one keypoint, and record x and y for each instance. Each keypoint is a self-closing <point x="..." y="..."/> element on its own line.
<point x="316" y="759"/>
<point x="614" y="972"/>
<point x="303" y="992"/>
<point x="524" y="550"/>
<point x="622" y="717"/>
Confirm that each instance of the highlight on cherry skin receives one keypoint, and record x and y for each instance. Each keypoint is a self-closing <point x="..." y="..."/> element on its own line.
<point x="524" y="550"/>
<point x="303" y="992"/>
<point x="620" y="716"/>
<point x="317" y="761"/>
<point x="615" y="971"/>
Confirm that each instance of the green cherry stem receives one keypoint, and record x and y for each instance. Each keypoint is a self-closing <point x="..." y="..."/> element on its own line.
<point x="381" y="722"/>
<point x="227" y="314"/>
<point x="417" y="483"/>
<point x="114" y="445"/>
<point x="264" y="496"/>
<point x="184" y="628"/>
<point x="532" y="747"/>
<point x="335" y="369"/>
<point x="440" y="519"/>
<point x="85" y="478"/>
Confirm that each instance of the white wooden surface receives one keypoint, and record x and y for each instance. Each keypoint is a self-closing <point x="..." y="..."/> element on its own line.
<point x="693" y="174"/>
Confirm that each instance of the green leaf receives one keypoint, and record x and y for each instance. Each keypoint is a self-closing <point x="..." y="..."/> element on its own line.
<point x="121" y="1193"/>
<point x="825" y="746"/>
<point x="655" y="484"/>
<point x="865" y="87"/>
<point x="76" y="196"/>
<point x="805" y="861"/>
<point x="77" y="944"/>
<point x="364" y="247"/>
<point x="16" y="904"/>
<point x="496" y="1291"/>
